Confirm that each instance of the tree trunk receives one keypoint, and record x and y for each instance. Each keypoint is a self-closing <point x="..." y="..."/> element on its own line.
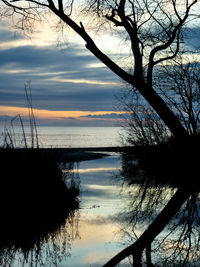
<point x="137" y="259"/>
<point x="148" y="256"/>
<point x="161" y="108"/>
<point x="154" y="229"/>
<point x="137" y="81"/>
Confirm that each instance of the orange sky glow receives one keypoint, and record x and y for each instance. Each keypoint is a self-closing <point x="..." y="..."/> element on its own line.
<point x="51" y="114"/>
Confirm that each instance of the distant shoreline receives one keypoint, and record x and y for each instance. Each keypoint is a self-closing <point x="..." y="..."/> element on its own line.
<point x="71" y="154"/>
<point x="81" y="154"/>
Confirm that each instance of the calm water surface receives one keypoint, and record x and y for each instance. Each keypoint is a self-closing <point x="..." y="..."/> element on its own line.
<point x="92" y="237"/>
<point x="70" y="136"/>
<point x="100" y="204"/>
<point x="79" y="136"/>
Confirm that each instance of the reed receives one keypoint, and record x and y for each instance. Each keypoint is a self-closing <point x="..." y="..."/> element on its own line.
<point x="36" y="196"/>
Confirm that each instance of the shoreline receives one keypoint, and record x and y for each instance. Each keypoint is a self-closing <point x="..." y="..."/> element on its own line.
<point x="81" y="154"/>
<point x="71" y="154"/>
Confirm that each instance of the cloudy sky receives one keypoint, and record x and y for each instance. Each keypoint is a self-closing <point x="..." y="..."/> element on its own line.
<point x="69" y="86"/>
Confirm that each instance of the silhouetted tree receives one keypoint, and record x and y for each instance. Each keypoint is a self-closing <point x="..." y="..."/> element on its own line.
<point x="142" y="125"/>
<point x="153" y="31"/>
<point x="182" y="80"/>
<point x="179" y="84"/>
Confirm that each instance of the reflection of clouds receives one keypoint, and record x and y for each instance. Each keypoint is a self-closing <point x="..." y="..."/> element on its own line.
<point x="110" y="188"/>
<point x="96" y="170"/>
<point x="107" y="163"/>
<point x="100" y="204"/>
<point x="97" y="235"/>
<point x="104" y="193"/>
<point x="97" y="179"/>
<point x="96" y="229"/>
<point x="101" y="255"/>
<point x="14" y="43"/>
<point x="171" y="245"/>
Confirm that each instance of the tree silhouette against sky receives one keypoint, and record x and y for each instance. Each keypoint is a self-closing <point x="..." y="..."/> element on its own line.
<point x="153" y="31"/>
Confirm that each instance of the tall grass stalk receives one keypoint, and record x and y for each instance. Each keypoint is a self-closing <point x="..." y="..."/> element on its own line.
<point x="23" y="130"/>
<point x="9" y="134"/>
<point x="32" y="121"/>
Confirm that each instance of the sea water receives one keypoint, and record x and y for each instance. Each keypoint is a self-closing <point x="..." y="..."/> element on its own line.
<point x="65" y="137"/>
<point x="79" y="136"/>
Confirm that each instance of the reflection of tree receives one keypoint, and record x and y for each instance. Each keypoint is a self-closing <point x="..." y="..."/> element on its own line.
<point x="39" y="209"/>
<point x="179" y="243"/>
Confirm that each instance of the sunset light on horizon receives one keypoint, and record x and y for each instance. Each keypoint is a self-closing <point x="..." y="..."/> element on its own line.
<point x="42" y="113"/>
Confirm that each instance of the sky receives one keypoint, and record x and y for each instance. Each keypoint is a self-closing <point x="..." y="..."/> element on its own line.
<point x="69" y="86"/>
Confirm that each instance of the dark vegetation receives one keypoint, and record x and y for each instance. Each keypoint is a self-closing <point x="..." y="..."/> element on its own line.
<point x="171" y="162"/>
<point x="38" y="200"/>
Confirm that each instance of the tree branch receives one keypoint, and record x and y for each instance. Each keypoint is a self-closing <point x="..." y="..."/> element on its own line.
<point x="60" y="5"/>
<point x="112" y="19"/>
<point x="175" y="33"/>
<point x="131" y="28"/>
<point x="90" y="45"/>
<point x="174" y="54"/>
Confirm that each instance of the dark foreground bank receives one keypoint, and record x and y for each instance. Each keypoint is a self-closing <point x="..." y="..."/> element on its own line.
<point x="81" y="154"/>
<point x="36" y="199"/>
<point x="65" y="154"/>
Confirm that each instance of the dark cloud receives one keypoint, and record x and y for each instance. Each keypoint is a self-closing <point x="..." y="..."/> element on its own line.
<point x="5" y="118"/>
<point x="192" y="38"/>
<point x="38" y="57"/>
<point x="106" y="116"/>
<point x="46" y="68"/>
<point x="79" y="100"/>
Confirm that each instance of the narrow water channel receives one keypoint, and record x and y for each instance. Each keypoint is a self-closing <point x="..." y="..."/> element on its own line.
<point x="90" y="236"/>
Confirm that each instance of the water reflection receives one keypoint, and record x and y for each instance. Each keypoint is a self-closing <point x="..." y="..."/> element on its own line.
<point x="40" y="217"/>
<point x="41" y="226"/>
<point x="100" y="204"/>
<point x="149" y="192"/>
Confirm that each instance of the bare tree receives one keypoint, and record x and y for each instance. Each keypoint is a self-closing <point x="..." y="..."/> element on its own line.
<point x="153" y="31"/>
<point x="142" y="125"/>
<point x="179" y="85"/>
<point x="182" y="80"/>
